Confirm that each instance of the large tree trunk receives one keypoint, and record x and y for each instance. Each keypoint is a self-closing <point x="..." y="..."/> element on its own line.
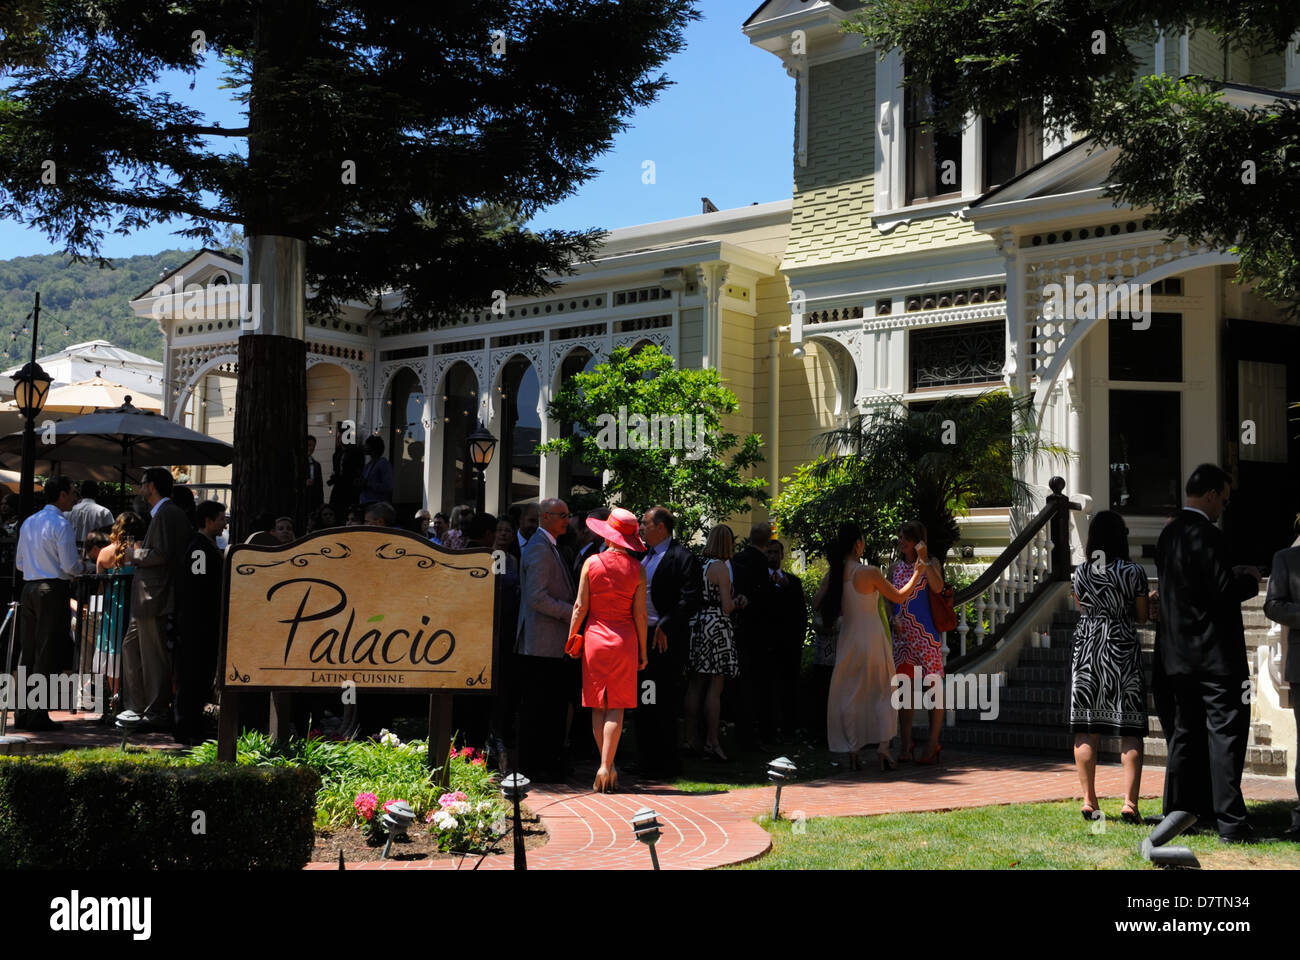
<point x="271" y="391"/>
<point x="270" y="472"/>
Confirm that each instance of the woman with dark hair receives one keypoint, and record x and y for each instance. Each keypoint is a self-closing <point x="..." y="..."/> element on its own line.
<point x="858" y="708"/>
<point x="918" y="648"/>
<point x="1107" y="692"/>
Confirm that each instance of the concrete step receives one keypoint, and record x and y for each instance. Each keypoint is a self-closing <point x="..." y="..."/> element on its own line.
<point x="1260" y="759"/>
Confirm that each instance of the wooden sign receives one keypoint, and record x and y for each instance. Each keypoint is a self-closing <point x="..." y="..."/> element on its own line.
<point x="375" y="608"/>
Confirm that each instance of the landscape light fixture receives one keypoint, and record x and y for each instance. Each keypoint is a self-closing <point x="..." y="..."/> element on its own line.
<point x="514" y="788"/>
<point x="647" y="828"/>
<point x="1154" y="849"/>
<point x="779" y="771"/>
<point x="396" y="819"/>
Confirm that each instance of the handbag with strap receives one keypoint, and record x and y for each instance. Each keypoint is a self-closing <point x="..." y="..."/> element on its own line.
<point x="941" y="608"/>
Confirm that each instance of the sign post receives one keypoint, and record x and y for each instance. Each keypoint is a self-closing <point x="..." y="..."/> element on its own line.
<point x="358" y="609"/>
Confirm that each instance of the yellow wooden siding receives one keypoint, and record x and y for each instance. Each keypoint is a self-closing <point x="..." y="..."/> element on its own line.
<point x="1268" y="70"/>
<point x="690" y="342"/>
<point x="1204" y="54"/>
<point x="834" y="194"/>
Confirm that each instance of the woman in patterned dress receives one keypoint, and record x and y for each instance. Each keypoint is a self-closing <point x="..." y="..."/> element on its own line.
<point x="713" y="655"/>
<point x="918" y="648"/>
<point x="1107" y="691"/>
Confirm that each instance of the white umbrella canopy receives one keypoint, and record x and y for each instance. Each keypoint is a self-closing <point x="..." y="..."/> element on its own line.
<point x="87" y="396"/>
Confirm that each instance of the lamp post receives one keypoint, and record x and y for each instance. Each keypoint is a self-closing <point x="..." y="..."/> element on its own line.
<point x="646" y="828"/>
<point x="481" y="447"/>
<point x="514" y="788"/>
<point x="31" y="388"/>
<point x="779" y="771"/>
<point x="396" y="819"/>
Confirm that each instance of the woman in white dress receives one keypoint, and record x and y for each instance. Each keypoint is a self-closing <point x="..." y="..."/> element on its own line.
<point x="859" y="710"/>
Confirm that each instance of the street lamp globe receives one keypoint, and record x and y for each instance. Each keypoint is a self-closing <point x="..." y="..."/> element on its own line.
<point x="481" y="447"/>
<point x="31" y="388"/>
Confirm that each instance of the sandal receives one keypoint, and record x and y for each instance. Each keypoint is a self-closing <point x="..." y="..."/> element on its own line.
<point x="1089" y="812"/>
<point x="1130" y="815"/>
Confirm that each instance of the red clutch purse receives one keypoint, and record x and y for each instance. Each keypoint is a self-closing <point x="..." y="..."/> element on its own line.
<point x="574" y="645"/>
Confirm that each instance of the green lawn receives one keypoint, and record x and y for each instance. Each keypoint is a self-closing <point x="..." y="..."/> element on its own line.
<point x="1037" y="836"/>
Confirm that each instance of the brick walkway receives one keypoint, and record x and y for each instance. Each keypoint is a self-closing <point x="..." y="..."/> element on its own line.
<point x="702" y="830"/>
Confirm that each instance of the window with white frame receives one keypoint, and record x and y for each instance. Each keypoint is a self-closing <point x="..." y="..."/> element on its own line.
<point x="918" y="163"/>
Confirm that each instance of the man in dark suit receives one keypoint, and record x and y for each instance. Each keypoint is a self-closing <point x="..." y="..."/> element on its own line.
<point x="1202" y="653"/>
<point x="198" y="622"/>
<point x="146" y="659"/>
<point x="789" y="630"/>
<point x="546" y="608"/>
<point x="674" y="591"/>
<point x="1282" y="605"/>
<point x="753" y="581"/>
<point x="315" y="485"/>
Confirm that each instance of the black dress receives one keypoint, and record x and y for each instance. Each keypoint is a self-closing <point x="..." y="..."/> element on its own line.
<point x="1107" y="691"/>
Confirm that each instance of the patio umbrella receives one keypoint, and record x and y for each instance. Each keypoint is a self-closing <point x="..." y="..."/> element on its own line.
<point x="88" y="396"/>
<point x="126" y="438"/>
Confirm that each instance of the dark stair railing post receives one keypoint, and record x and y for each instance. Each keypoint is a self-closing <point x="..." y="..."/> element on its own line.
<point x="1060" y="530"/>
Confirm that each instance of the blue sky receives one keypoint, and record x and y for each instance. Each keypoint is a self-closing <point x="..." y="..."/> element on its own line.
<point x="723" y="131"/>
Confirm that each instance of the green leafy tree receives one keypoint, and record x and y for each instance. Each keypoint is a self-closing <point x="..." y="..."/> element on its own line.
<point x="936" y="463"/>
<point x="679" y="457"/>
<point x="821" y="495"/>
<point x="378" y="133"/>
<point x="1181" y="147"/>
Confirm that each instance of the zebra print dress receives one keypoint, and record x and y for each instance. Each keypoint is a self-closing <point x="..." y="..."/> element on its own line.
<point x="1107" y="691"/>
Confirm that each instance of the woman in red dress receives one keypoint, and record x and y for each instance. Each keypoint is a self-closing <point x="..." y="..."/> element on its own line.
<point x="611" y="599"/>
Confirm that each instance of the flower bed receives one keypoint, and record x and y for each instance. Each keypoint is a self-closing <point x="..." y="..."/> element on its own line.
<point x="360" y="780"/>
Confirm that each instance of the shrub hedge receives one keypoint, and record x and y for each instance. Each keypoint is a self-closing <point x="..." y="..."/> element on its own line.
<point x="83" y="810"/>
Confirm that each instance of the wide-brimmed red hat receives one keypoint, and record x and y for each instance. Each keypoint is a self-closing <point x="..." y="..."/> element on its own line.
<point x="622" y="529"/>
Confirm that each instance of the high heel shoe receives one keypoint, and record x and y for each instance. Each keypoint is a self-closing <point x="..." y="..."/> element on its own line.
<point x="1130" y="814"/>
<point x="611" y="782"/>
<point x="886" y="762"/>
<point x="714" y="753"/>
<point x="932" y="759"/>
<point x="602" y="783"/>
<point x="906" y="754"/>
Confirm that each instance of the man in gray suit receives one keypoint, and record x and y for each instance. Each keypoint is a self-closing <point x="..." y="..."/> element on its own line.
<point x="146" y="661"/>
<point x="547" y="593"/>
<point x="1282" y="604"/>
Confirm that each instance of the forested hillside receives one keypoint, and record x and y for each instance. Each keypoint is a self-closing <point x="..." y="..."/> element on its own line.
<point x="80" y="302"/>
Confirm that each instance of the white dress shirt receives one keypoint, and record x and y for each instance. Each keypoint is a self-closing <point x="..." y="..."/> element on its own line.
<point x="47" y="548"/>
<point x="651" y="564"/>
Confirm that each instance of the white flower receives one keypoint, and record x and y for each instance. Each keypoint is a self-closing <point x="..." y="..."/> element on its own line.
<point x="460" y="806"/>
<point x="500" y="826"/>
<point x="445" y="821"/>
<point x="389" y="739"/>
<point x="483" y="805"/>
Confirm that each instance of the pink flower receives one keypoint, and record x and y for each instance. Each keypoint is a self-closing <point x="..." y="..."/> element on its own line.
<point x="389" y="804"/>
<point x="365" y="805"/>
<point x="479" y="762"/>
<point x="428" y="817"/>
<point x="447" y="799"/>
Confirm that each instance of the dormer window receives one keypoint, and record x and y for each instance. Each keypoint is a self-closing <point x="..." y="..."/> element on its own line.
<point x="934" y="156"/>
